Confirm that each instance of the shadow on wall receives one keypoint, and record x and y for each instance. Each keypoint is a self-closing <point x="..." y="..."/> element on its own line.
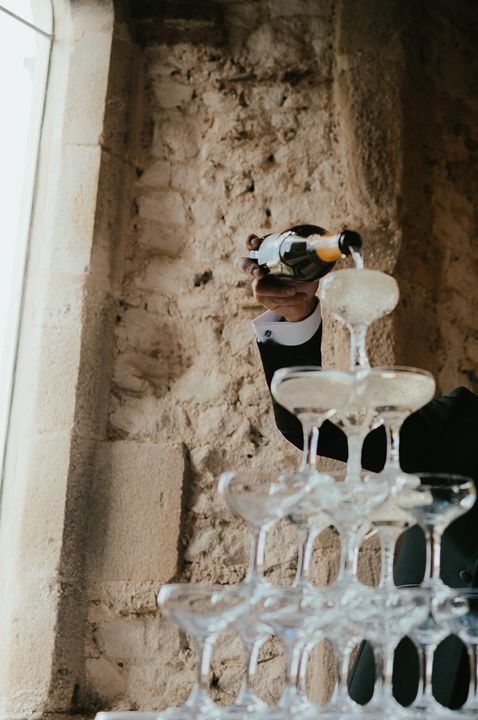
<point x="435" y="324"/>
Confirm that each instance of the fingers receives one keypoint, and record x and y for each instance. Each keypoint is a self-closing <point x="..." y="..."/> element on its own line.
<point x="267" y="292"/>
<point x="250" y="267"/>
<point x="268" y="287"/>
<point x="245" y="264"/>
<point x="253" y="242"/>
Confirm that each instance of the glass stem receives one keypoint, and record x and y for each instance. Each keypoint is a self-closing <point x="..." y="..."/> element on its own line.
<point x="311" y="442"/>
<point x="425" y="695"/>
<point x="342" y="662"/>
<point x="433" y="553"/>
<point x="471" y="702"/>
<point x="383" y="690"/>
<point x="253" y="649"/>
<point x="348" y="536"/>
<point x="204" y="649"/>
<point x="354" y="460"/>
<point x="293" y="653"/>
<point x="302" y="538"/>
<point x="303" y="664"/>
<point x="257" y="562"/>
<point x="309" y="552"/>
<point x="387" y="552"/>
<point x="358" y="346"/>
<point x="254" y="653"/>
<point x="393" y="444"/>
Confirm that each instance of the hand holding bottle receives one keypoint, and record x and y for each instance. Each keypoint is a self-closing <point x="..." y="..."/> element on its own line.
<point x="293" y="301"/>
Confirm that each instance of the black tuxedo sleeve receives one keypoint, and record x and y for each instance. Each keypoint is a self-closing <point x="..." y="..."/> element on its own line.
<point x="431" y="439"/>
<point x="332" y="441"/>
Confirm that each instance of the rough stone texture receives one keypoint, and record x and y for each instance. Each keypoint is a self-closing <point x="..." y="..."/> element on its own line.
<point x="238" y="138"/>
<point x="437" y="265"/>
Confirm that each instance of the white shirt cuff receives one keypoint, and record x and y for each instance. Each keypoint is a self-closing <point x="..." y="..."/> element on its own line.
<point x="269" y="327"/>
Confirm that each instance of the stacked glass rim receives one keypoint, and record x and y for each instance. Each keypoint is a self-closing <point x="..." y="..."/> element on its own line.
<point x="355" y="502"/>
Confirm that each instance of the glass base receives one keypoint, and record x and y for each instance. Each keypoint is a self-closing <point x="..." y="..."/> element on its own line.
<point x="247" y="704"/>
<point x="348" y="709"/>
<point x="438" y="713"/>
<point x="236" y="712"/>
<point x="460" y="714"/>
<point x="204" y="708"/>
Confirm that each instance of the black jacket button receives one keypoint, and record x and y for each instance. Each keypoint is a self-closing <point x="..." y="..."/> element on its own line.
<point x="465" y="576"/>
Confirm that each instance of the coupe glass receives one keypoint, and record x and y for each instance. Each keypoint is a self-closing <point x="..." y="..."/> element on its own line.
<point x="435" y="500"/>
<point x="294" y="617"/>
<point x="462" y="621"/>
<point x="343" y="631"/>
<point x="391" y="616"/>
<point x="203" y="611"/>
<point x="356" y="420"/>
<point x="313" y="396"/>
<point x="395" y="392"/>
<point x="390" y="521"/>
<point x="309" y="521"/>
<point x="261" y="497"/>
<point x="357" y="298"/>
<point x="254" y="632"/>
<point x="427" y="636"/>
<point x="349" y="505"/>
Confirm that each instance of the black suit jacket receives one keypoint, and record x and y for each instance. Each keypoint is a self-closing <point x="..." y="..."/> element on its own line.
<point x="440" y="437"/>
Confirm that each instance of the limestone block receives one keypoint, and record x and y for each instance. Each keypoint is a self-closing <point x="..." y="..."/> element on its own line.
<point x="64" y="360"/>
<point x="43" y="470"/>
<point x="121" y="598"/>
<point x="124" y="638"/>
<point x="92" y="46"/>
<point x="167" y="207"/>
<point x="27" y="654"/>
<point x="162" y="274"/>
<point x="220" y="102"/>
<point x="176" y="139"/>
<point x="150" y="684"/>
<point x="170" y="93"/>
<point x="204" y="213"/>
<point x="136" y="511"/>
<point x="158" y="174"/>
<point x="268" y="46"/>
<point x="161" y="238"/>
<point x="211" y="386"/>
<point x="105" y="679"/>
<point x="75" y="186"/>
<point x="135" y="416"/>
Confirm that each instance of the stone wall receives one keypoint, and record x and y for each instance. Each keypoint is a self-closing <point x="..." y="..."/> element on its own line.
<point x="437" y="265"/>
<point x="238" y="137"/>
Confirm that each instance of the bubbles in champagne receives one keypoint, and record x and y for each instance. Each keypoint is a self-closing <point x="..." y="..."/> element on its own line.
<point x="358" y="297"/>
<point x="318" y="392"/>
<point x="399" y="390"/>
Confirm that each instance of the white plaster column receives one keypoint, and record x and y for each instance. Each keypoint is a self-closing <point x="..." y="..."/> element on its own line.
<point x="53" y="425"/>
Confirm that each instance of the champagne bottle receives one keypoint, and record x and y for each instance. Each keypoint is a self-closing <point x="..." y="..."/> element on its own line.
<point x="303" y="252"/>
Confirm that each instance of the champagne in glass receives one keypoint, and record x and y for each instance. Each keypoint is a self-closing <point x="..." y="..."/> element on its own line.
<point x="357" y="298"/>
<point x="313" y="396"/>
<point x="394" y="393"/>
